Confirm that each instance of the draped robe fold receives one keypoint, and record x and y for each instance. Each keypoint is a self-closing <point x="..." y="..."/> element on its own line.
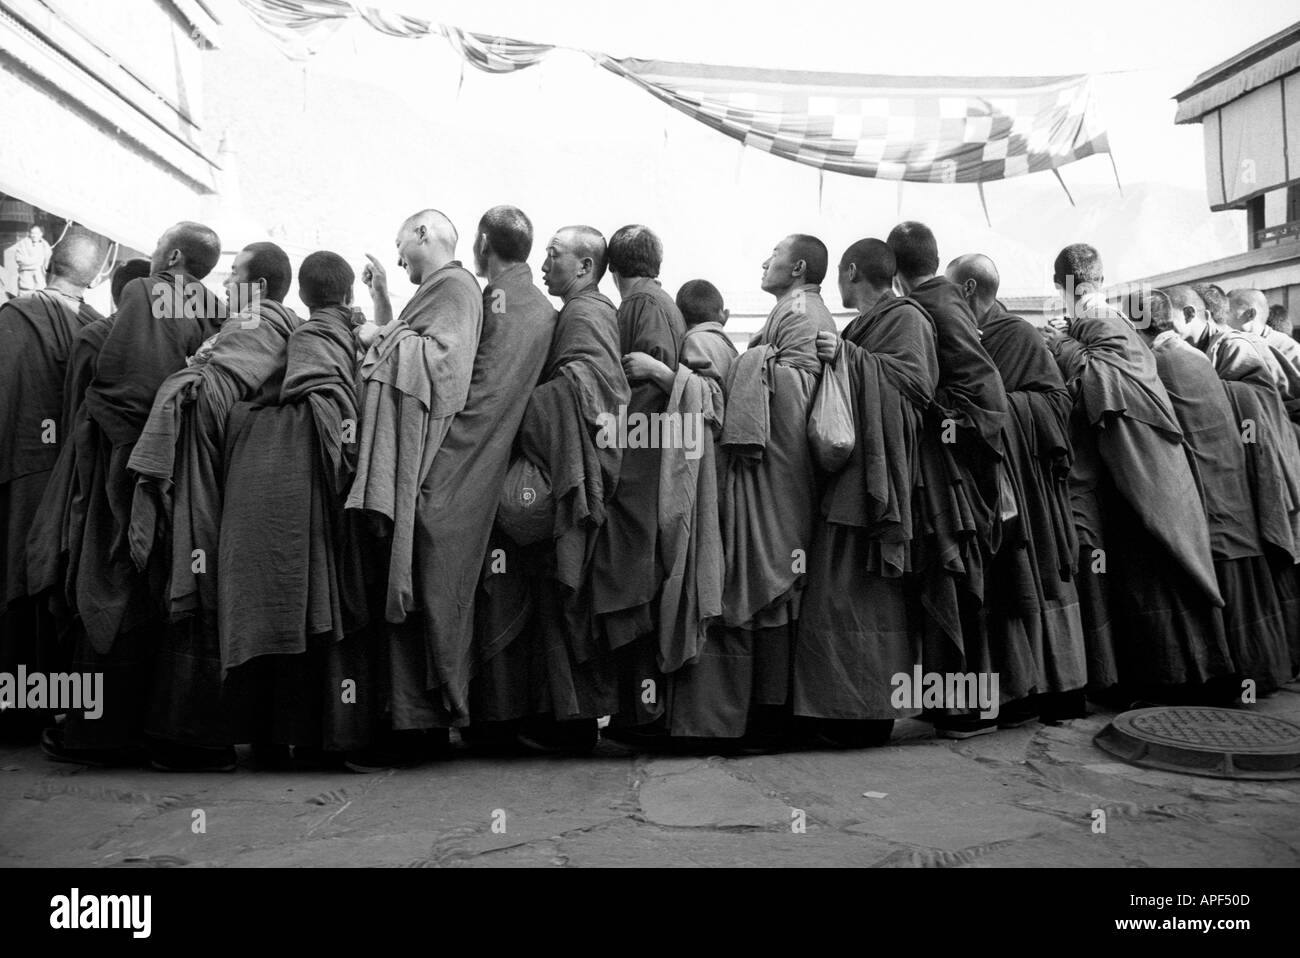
<point x="856" y="630"/>
<point x="961" y="460"/>
<point x="1156" y="572"/>
<point x="37" y="337"/>
<point x="627" y="571"/>
<point x="462" y="490"/>
<point x="415" y="380"/>
<point x="1252" y="617"/>
<point x="179" y="459"/>
<point x="161" y="320"/>
<point x="770" y="489"/>
<point x="292" y="600"/>
<point x="1272" y="466"/>
<point x="583" y="385"/>
<point x="1035" y="624"/>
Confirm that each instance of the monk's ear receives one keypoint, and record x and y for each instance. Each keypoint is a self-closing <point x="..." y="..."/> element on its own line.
<point x="1189" y="313"/>
<point x="173" y="258"/>
<point x="586" y="265"/>
<point x="800" y="267"/>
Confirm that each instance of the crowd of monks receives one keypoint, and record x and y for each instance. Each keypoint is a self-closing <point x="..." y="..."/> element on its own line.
<point x="336" y="539"/>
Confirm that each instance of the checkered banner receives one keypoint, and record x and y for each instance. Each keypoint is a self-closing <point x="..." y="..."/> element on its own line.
<point x="922" y="129"/>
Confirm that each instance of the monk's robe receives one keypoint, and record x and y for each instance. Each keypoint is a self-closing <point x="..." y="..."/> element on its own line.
<point x="1286" y="351"/>
<point x="161" y="320"/>
<point x="415" y="378"/>
<point x="291" y="598"/>
<point x="1272" y="464"/>
<point x="627" y="568"/>
<point x="770" y="490"/>
<point x="707" y="349"/>
<point x="37" y="333"/>
<point x="459" y="498"/>
<point x="709" y="697"/>
<point x="856" y="631"/>
<point x="179" y="459"/>
<point x="1252" y="618"/>
<point x="53" y="540"/>
<point x="1158" y="568"/>
<point x="961" y="463"/>
<point x="1032" y="598"/>
<point x="572" y="671"/>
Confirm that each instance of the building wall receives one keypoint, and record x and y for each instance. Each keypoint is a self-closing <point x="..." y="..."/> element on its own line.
<point x="102" y="109"/>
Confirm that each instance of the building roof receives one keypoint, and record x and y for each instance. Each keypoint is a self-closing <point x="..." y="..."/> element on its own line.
<point x="1253" y="67"/>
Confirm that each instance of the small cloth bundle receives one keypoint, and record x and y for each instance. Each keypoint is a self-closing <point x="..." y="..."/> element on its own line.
<point x="526" y="511"/>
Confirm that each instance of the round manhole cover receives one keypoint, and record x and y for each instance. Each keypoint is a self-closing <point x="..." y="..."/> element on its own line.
<point x="1224" y="743"/>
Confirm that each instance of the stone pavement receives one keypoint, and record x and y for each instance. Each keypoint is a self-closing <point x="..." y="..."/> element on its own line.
<point x="1023" y="797"/>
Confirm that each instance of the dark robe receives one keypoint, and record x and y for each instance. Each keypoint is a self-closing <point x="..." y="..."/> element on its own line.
<point x="161" y="320"/>
<point x="1035" y="624"/>
<point x="1252" y="617"/>
<point x="855" y="629"/>
<point x="770" y="489"/>
<point x="415" y="379"/>
<point x="179" y="459"/>
<point x="709" y="696"/>
<point x="961" y="457"/>
<point x="1272" y="465"/>
<point x="291" y="595"/>
<point x="1158" y="572"/>
<point x="37" y="333"/>
<point x="626" y="571"/>
<point x="460" y="495"/>
<point x="572" y="671"/>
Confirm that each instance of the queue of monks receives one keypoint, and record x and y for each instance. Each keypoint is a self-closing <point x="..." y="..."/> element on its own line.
<point x="336" y="540"/>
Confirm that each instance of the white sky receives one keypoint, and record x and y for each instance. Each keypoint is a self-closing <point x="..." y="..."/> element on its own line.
<point x="591" y="147"/>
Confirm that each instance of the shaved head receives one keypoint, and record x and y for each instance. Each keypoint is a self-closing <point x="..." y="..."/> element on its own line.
<point x="584" y="242"/>
<point x="977" y="267"/>
<point x="438" y="225"/>
<point x="131" y="269"/>
<point x="1215" y="300"/>
<point x="426" y="242"/>
<point x="76" y="259"/>
<point x="873" y="262"/>
<point x="977" y="278"/>
<point x="1184" y="298"/>
<point x="266" y="261"/>
<point x="188" y="246"/>
<point x="1249" y="310"/>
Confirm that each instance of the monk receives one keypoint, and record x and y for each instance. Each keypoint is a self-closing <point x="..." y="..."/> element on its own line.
<point x="291" y="597"/>
<point x="708" y="695"/>
<point x="565" y="433"/>
<point x="1035" y="624"/>
<point x="161" y="321"/>
<point x="627" y="571"/>
<point x="1253" y="620"/>
<point x="467" y="475"/>
<point x="1135" y="478"/>
<point x="1219" y="312"/>
<point x="856" y="631"/>
<point x="770" y="490"/>
<point x="1248" y="370"/>
<point x="966" y="493"/>
<point x="37" y="332"/>
<point x="415" y="378"/>
<point x="180" y="465"/>
<point x="1250" y="314"/>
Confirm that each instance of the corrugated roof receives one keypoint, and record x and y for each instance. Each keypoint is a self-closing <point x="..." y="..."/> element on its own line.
<point x="1250" y="69"/>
